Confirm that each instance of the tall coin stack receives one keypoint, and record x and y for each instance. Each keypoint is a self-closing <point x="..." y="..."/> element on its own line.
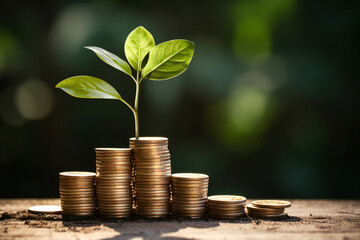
<point x="77" y="193"/>
<point x="267" y="208"/>
<point x="113" y="182"/>
<point x="189" y="194"/>
<point x="226" y="206"/>
<point x="152" y="166"/>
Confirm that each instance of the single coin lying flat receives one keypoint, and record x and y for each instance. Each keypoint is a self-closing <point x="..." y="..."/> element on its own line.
<point x="54" y="209"/>
<point x="271" y="203"/>
<point x="227" y="198"/>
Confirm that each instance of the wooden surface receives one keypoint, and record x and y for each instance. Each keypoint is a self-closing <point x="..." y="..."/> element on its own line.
<point x="307" y="219"/>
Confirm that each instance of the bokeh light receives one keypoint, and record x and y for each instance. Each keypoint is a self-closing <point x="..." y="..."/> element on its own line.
<point x="34" y="99"/>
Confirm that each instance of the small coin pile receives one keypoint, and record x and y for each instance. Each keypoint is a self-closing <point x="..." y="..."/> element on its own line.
<point x="152" y="167"/>
<point x="77" y="193"/>
<point x="267" y="208"/>
<point x="189" y="194"/>
<point x="226" y="206"/>
<point x="113" y="182"/>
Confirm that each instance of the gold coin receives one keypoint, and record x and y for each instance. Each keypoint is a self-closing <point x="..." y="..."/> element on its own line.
<point x="187" y="176"/>
<point x="152" y="191"/>
<point x="113" y="180"/>
<point x="227" y="199"/>
<point x="189" y="185"/>
<point x="162" y="147"/>
<point x="112" y="213"/>
<point x="77" y="185"/>
<point x="151" y="150"/>
<point x="189" y="182"/>
<point x="188" y="198"/>
<point x="152" y="188"/>
<point x="188" y="202"/>
<point x="113" y="149"/>
<point x="79" y="205"/>
<point x="118" y="200"/>
<point x="77" y="194"/>
<point x="149" y="139"/>
<point x="152" y="166"/>
<point x="271" y="203"/>
<point x="154" y="178"/>
<point x="113" y="165"/>
<point x="151" y="171"/>
<point x="77" y="174"/>
<point x="152" y="158"/>
<point x="194" y="194"/>
<point x="148" y="155"/>
<point x="150" y="198"/>
<point x="115" y="215"/>
<point x="146" y="183"/>
<point x="226" y="211"/>
<point x="112" y="173"/>
<point x="80" y="198"/>
<point x="115" y="207"/>
<point x="114" y="196"/>
<point x="227" y="208"/>
<point x="134" y="145"/>
<point x="256" y="208"/>
<point x="189" y="189"/>
<point x="114" y="187"/>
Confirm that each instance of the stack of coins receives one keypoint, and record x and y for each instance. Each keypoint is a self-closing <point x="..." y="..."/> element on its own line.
<point x="152" y="167"/>
<point x="77" y="193"/>
<point x="189" y="194"/>
<point x="226" y="206"/>
<point x="113" y="182"/>
<point x="267" y="208"/>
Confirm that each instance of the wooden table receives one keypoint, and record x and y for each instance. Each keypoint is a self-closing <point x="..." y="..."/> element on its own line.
<point x="308" y="219"/>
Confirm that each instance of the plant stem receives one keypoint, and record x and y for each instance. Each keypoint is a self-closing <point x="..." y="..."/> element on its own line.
<point x="136" y="106"/>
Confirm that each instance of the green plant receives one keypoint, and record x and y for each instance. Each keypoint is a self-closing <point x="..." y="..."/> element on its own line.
<point x="164" y="61"/>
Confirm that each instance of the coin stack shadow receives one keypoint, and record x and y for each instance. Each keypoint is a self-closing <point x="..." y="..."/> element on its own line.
<point x="226" y="206"/>
<point x="152" y="166"/>
<point x="113" y="182"/>
<point x="189" y="194"/>
<point x="77" y="193"/>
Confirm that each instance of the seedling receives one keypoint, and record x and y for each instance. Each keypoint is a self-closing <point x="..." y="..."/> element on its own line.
<point x="161" y="62"/>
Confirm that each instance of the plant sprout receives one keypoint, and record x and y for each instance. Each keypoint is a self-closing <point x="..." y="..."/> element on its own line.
<point x="161" y="62"/>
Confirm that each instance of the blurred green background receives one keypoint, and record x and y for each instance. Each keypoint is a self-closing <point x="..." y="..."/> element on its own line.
<point x="269" y="106"/>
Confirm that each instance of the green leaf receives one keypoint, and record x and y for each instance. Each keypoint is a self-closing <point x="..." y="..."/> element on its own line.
<point x="168" y="60"/>
<point x="88" y="87"/>
<point x="137" y="45"/>
<point x="112" y="60"/>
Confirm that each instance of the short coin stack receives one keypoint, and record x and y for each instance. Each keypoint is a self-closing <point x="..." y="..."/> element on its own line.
<point x="189" y="194"/>
<point x="77" y="193"/>
<point x="152" y="166"/>
<point x="267" y="208"/>
<point x="226" y="206"/>
<point x="113" y="182"/>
